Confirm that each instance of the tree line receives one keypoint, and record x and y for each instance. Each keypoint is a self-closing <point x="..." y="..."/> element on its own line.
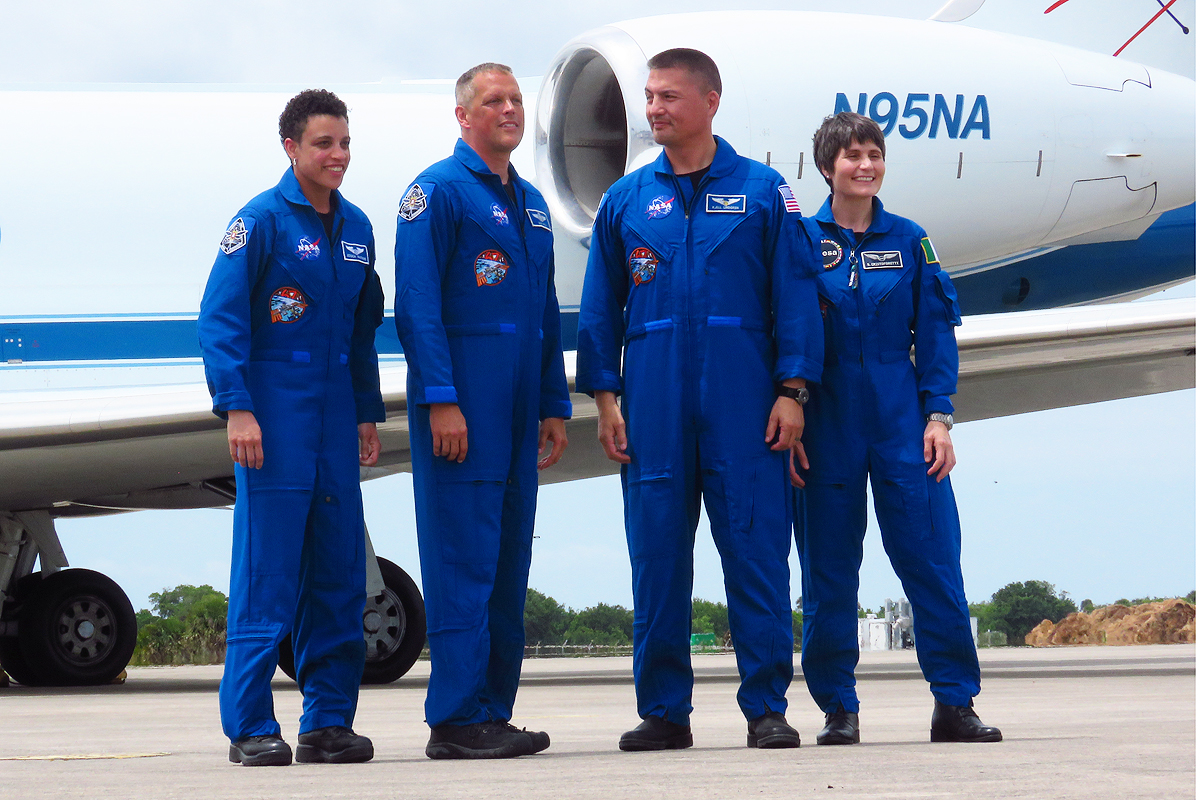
<point x="187" y="623"/>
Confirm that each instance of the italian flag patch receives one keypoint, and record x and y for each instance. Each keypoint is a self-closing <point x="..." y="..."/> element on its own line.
<point x="930" y="254"/>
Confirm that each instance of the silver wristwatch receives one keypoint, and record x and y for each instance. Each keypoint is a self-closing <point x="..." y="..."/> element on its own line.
<point x="945" y="419"/>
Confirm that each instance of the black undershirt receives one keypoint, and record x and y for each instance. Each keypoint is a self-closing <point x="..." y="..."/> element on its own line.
<point x="694" y="179"/>
<point x="327" y="222"/>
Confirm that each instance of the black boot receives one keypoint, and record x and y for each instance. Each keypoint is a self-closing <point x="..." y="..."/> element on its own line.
<point x="841" y="727"/>
<point x="656" y="733"/>
<point x="260" y="751"/>
<point x="480" y="740"/>
<point x="333" y="745"/>
<point x="771" y="731"/>
<point x="959" y="724"/>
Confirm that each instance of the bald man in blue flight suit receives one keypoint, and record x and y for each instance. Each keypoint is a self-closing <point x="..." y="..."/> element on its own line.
<point x="877" y="413"/>
<point x="287" y="328"/>
<point x="699" y="308"/>
<point x="478" y="318"/>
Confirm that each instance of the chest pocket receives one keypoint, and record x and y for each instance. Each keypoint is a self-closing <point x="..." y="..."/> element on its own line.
<point x="712" y="230"/>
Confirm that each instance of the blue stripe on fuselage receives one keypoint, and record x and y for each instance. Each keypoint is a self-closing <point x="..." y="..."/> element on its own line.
<point x="141" y="338"/>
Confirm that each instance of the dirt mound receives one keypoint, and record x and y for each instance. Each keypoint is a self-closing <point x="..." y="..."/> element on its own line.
<point x="1166" y="622"/>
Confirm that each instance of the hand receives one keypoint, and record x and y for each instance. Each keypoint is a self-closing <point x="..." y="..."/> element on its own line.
<point x="449" y="431"/>
<point x="553" y="431"/>
<point x="368" y="444"/>
<point x="245" y="439"/>
<point x="797" y="456"/>
<point x="787" y="420"/>
<point x="611" y="428"/>
<point x="938" y="449"/>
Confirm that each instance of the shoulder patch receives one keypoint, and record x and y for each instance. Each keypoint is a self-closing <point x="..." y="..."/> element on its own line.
<point x="931" y="256"/>
<point x="725" y="204"/>
<point x="235" y="238"/>
<point x="414" y="202"/>
<point x="789" y="199"/>
<point x="355" y="252"/>
<point x="538" y="219"/>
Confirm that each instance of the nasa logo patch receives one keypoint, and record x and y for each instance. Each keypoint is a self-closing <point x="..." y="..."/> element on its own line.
<point x="882" y="259"/>
<point x="499" y="215"/>
<point x="538" y="219"/>
<point x="660" y="207"/>
<point x="414" y="202"/>
<point x="355" y="252"/>
<point x="831" y="253"/>
<point x="306" y="249"/>
<point x="287" y="304"/>
<point x="490" y="268"/>
<point x="235" y="237"/>
<point x="642" y="265"/>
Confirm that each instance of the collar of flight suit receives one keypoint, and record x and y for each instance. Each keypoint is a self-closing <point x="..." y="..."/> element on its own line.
<point x="881" y="220"/>
<point x="723" y="163"/>
<point x="289" y="187"/>
<point x="472" y="161"/>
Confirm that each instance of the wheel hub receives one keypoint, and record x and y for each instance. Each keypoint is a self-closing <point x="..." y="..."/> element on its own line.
<point x="384" y="623"/>
<point x="84" y="630"/>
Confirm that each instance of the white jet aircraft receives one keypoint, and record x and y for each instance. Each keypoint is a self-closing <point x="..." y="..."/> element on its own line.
<point x="1049" y="177"/>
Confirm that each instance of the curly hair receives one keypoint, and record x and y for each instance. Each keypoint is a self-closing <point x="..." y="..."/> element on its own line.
<point x="309" y="103"/>
<point x="838" y="132"/>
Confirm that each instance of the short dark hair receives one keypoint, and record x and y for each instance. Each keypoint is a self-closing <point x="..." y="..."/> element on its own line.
<point x="840" y="131"/>
<point x="464" y="87"/>
<point x="309" y="103"/>
<point x="698" y="64"/>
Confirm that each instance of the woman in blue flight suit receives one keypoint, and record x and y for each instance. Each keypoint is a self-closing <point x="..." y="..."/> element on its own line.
<point x="882" y="294"/>
<point x="287" y="328"/>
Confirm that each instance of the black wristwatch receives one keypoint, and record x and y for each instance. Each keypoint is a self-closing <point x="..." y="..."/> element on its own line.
<point x="799" y="395"/>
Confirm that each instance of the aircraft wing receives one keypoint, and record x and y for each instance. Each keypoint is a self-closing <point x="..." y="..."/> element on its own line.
<point x="89" y="451"/>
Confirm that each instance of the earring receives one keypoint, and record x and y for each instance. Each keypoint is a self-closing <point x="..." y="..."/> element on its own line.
<point x="293" y="162"/>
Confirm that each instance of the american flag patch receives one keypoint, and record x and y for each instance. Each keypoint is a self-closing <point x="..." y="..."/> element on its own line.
<point x="789" y="199"/>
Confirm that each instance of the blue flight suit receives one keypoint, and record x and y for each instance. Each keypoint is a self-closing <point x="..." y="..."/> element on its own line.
<point x="287" y="328"/>
<point x="478" y="318"/>
<point x="711" y="298"/>
<point x="867" y="417"/>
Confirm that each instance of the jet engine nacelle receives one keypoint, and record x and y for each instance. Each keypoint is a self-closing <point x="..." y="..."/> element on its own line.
<point x="1000" y="146"/>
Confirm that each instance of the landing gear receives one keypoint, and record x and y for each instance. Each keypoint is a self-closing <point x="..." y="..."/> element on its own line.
<point x="393" y="628"/>
<point x="74" y="628"/>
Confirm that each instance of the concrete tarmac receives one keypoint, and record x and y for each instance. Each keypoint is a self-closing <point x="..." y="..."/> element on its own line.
<point x="1087" y="723"/>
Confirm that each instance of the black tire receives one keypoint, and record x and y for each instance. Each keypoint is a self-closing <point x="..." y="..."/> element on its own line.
<point x="11" y="658"/>
<point x="393" y="627"/>
<point x="77" y="629"/>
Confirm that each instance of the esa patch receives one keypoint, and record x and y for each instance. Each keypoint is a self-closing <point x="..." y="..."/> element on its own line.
<point x="882" y="259"/>
<point x="287" y="304"/>
<point x="499" y="215"/>
<point x="831" y="253"/>
<point x="725" y="204"/>
<point x="642" y="265"/>
<point x="926" y="245"/>
<point x="355" y="252"/>
<point x="414" y="202"/>
<point x="490" y="268"/>
<point x="789" y="199"/>
<point x="660" y="207"/>
<point x="235" y="237"/>
<point x="306" y="249"/>
<point x="538" y="219"/>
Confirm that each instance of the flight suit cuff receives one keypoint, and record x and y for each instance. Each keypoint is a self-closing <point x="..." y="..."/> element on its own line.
<point x="787" y="367"/>
<point x="370" y="409"/>
<point x="224" y="402"/>
<point x="938" y="404"/>
<point x="556" y="408"/>
<point x="440" y="394"/>
<point x="601" y="382"/>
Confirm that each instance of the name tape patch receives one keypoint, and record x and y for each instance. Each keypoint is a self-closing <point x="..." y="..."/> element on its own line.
<point x="538" y="219"/>
<point x="355" y="252"/>
<point x="882" y="259"/>
<point x="725" y="204"/>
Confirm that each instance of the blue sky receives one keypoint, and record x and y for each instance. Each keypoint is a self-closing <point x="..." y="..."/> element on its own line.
<point x="1099" y="500"/>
